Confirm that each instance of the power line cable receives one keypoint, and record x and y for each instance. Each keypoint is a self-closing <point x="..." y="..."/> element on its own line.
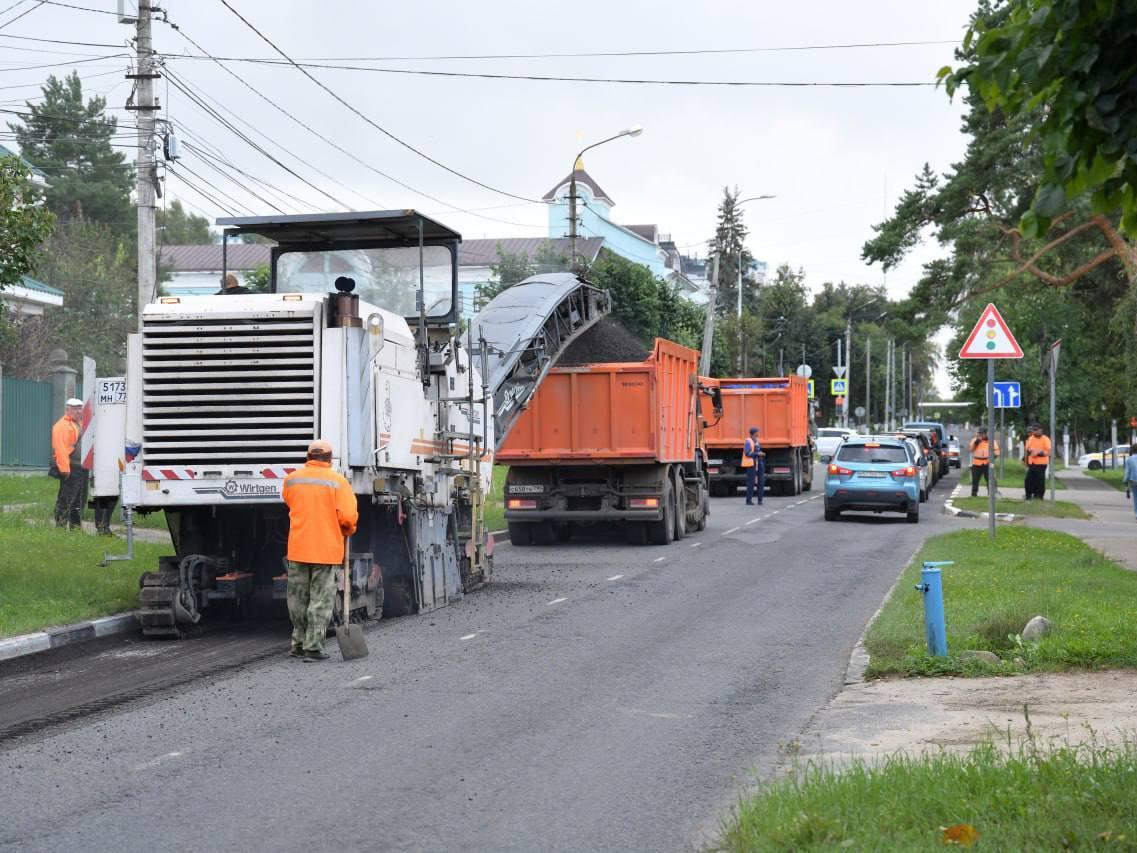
<point x="367" y="119"/>
<point x="242" y="208"/>
<point x="220" y="206"/>
<point x="219" y="170"/>
<point x="219" y="158"/>
<point x="11" y="21"/>
<point x="59" y="64"/>
<point x="59" y="41"/>
<point x="80" y="8"/>
<point x="39" y="83"/>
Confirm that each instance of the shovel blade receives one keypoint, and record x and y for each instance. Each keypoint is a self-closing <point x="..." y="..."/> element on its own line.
<point x="351" y="641"/>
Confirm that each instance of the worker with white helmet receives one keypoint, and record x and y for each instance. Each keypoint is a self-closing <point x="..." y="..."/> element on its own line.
<point x="67" y="466"/>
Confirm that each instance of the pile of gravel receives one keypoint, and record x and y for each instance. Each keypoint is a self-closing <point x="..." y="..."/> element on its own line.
<point x="605" y="341"/>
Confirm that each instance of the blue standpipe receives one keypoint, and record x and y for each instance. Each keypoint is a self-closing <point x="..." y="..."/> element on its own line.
<point x="935" y="628"/>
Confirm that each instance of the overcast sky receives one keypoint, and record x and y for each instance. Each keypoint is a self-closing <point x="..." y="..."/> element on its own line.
<point x="836" y="158"/>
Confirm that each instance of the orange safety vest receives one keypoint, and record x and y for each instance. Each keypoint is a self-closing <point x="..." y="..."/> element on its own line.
<point x="64" y="438"/>
<point x="322" y="510"/>
<point x="747" y="459"/>
<point x="1042" y="443"/>
<point x="981" y="451"/>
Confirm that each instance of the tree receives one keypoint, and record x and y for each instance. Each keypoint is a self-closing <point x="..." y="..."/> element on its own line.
<point x="635" y="293"/>
<point x="24" y="222"/>
<point x="1076" y="58"/>
<point x="728" y="245"/>
<point x="510" y="268"/>
<point x="258" y="280"/>
<point x="71" y="141"/>
<point x="179" y="227"/>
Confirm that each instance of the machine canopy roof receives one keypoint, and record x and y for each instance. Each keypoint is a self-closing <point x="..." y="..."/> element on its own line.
<point x="327" y="230"/>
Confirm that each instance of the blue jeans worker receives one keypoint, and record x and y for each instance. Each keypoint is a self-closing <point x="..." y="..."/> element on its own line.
<point x="1129" y="478"/>
<point x="754" y="464"/>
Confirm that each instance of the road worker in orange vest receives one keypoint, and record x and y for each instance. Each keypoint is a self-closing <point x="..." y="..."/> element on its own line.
<point x="322" y="511"/>
<point x="980" y="450"/>
<point x="65" y="456"/>
<point x="754" y="464"/>
<point x="1036" y="455"/>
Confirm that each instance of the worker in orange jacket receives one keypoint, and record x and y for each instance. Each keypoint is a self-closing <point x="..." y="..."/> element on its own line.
<point x="1036" y="455"/>
<point x="322" y="511"/>
<point x="65" y="454"/>
<point x="980" y="449"/>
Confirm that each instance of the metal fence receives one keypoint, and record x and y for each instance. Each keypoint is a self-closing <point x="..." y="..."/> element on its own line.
<point x="25" y="423"/>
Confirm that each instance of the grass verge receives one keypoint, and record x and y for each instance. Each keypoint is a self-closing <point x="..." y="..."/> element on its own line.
<point x="35" y="497"/>
<point x="1059" y="509"/>
<point x="52" y="577"/>
<point x="1033" y="798"/>
<point x="994" y="589"/>
<point x="1013" y="478"/>
<point x="1112" y="477"/>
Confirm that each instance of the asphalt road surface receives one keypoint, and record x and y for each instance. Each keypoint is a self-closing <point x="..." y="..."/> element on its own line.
<point x="596" y="696"/>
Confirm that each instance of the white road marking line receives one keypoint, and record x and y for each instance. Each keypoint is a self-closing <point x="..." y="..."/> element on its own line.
<point x="555" y="601"/>
<point x="799" y="503"/>
<point x="696" y="544"/>
<point x="467" y="637"/>
<point x="364" y="678"/>
<point x="659" y="559"/>
<point x="155" y="762"/>
<point x="732" y="530"/>
<point x="615" y="577"/>
<point x="754" y="521"/>
<point x="775" y="512"/>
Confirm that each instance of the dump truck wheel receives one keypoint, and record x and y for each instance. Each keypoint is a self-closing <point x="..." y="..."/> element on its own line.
<point x="680" y="493"/>
<point x="520" y="533"/>
<point x="661" y="532"/>
<point x="704" y="510"/>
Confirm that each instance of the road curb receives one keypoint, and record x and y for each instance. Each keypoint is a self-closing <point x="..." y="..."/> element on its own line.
<point x="859" y="658"/>
<point x="68" y="635"/>
<point x="951" y="509"/>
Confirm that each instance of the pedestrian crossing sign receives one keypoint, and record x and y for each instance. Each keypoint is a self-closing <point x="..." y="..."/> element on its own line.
<point x="838" y="387"/>
<point x="812" y="389"/>
<point x="991" y="338"/>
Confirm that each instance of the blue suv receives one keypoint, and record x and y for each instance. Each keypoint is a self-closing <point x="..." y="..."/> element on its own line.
<point x="875" y="474"/>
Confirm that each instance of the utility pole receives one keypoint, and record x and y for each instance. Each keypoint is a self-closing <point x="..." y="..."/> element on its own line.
<point x="848" y="362"/>
<point x="709" y="320"/>
<point x="868" y="382"/>
<point x="572" y="215"/>
<point x="142" y="102"/>
<point x="740" y="314"/>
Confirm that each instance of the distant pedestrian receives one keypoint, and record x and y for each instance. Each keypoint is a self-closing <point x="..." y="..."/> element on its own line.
<point x="230" y="286"/>
<point x="322" y="511"/>
<point x="1129" y="478"/>
<point x="754" y="464"/>
<point x="980" y="450"/>
<point x="1036" y="455"/>
<point x="67" y="461"/>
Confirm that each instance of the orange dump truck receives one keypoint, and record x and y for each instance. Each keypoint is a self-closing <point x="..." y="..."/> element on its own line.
<point x="611" y="442"/>
<point x="779" y="407"/>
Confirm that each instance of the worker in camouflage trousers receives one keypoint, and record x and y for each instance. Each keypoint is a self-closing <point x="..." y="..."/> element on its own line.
<point x="322" y="511"/>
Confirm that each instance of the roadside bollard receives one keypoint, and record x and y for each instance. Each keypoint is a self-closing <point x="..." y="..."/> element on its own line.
<point x="934" y="626"/>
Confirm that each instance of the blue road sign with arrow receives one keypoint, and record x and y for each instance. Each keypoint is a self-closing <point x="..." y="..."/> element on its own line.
<point x="1007" y="395"/>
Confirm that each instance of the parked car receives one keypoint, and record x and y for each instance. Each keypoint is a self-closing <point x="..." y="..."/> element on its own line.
<point x="940" y="444"/>
<point x="873" y="474"/>
<point x="937" y="463"/>
<point x="952" y="451"/>
<point x="920" y="460"/>
<point x="923" y="441"/>
<point x="827" y="440"/>
<point x="1104" y="458"/>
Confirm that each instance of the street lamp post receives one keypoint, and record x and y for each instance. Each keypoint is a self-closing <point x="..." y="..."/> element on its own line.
<point x="739" y="283"/>
<point x="630" y="131"/>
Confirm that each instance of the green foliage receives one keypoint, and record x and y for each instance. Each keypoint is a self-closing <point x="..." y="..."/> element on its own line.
<point x="258" y="280"/>
<point x="1076" y="59"/>
<point x="24" y="222"/>
<point x="71" y="141"/>
<point x="178" y="227"/>
<point x="635" y="293"/>
<point x="1024" y="796"/>
<point x="729" y="246"/>
<point x="1024" y="573"/>
<point x="513" y="267"/>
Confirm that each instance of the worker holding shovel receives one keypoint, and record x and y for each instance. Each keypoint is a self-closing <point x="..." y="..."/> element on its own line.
<point x="322" y="510"/>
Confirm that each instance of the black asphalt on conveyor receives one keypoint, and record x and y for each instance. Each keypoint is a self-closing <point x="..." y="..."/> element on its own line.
<point x="597" y="697"/>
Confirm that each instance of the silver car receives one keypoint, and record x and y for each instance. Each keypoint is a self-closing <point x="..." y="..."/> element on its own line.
<point x="828" y="439"/>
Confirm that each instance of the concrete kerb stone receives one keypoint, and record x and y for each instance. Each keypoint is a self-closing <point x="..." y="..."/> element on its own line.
<point x="859" y="658"/>
<point x="951" y="509"/>
<point x="67" y="635"/>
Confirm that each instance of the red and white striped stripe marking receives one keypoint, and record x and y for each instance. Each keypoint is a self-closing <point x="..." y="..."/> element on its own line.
<point x="276" y="473"/>
<point x="168" y="474"/>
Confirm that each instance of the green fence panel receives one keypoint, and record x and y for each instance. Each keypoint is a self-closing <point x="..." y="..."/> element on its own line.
<point x="25" y="424"/>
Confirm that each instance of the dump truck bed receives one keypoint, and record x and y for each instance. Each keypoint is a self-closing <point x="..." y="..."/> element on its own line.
<point x="778" y="406"/>
<point x="611" y="413"/>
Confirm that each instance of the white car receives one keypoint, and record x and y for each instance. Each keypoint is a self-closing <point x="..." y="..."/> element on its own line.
<point x="1104" y="459"/>
<point x="916" y="453"/>
<point x="828" y="438"/>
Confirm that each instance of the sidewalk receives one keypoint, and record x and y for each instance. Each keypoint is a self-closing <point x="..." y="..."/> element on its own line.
<point x="1112" y="530"/>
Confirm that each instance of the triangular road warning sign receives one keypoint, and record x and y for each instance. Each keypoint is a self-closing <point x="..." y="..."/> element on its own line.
<point x="991" y="338"/>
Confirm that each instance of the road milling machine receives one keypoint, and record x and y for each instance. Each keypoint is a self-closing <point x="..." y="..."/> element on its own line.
<point x="357" y="341"/>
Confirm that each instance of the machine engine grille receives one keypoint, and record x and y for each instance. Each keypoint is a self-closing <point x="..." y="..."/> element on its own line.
<point x="226" y="390"/>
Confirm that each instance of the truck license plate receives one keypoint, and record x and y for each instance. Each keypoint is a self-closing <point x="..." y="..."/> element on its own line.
<point x="526" y="490"/>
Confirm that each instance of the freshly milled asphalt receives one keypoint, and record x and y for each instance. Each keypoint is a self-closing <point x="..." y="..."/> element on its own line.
<point x="610" y="698"/>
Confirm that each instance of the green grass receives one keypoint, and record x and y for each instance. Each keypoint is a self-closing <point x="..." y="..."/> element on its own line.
<point x="52" y="577"/>
<point x="1013" y="478"/>
<point x="34" y="488"/>
<point x="1112" y="477"/>
<point x="1032" y="798"/>
<point x="1059" y="509"/>
<point x="495" y="505"/>
<point x="994" y="589"/>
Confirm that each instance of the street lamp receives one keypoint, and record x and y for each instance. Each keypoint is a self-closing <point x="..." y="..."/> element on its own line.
<point x="635" y="130"/>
